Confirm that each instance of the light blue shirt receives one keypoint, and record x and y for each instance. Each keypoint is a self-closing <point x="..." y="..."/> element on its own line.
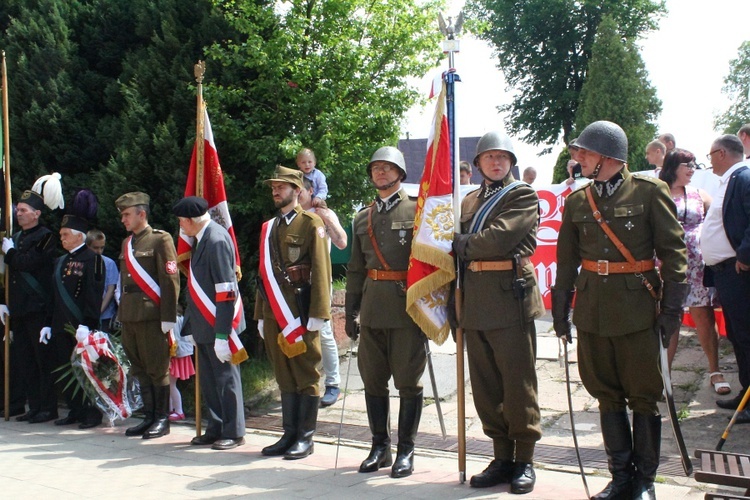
<point x="111" y="277"/>
<point x="320" y="186"/>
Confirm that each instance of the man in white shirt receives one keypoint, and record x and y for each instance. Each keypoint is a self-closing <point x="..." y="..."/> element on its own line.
<point x="725" y="244"/>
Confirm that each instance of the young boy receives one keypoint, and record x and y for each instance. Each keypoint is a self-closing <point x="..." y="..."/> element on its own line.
<point x="306" y="162"/>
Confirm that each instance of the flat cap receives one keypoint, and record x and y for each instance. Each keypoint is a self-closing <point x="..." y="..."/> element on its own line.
<point x="289" y="175"/>
<point x="190" y="206"/>
<point x="32" y="199"/>
<point x="131" y="199"/>
<point x="75" y="222"/>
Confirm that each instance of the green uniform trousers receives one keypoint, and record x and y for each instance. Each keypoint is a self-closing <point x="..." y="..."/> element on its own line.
<point x="622" y="370"/>
<point x="297" y="375"/>
<point x="502" y="366"/>
<point x="397" y="352"/>
<point x="147" y="349"/>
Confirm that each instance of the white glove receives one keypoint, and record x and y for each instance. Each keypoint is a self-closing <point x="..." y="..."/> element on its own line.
<point x="190" y="339"/>
<point x="82" y="333"/>
<point x="44" y="335"/>
<point x="8" y="244"/>
<point x="167" y="325"/>
<point x="315" y="324"/>
<point x="3" y="312"/>
<point x="260" y="329"/>
<point x="221" y="348"/>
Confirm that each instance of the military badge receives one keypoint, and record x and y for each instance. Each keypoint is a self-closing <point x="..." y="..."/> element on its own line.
<point x="293" y="253"/>
<point x="171" y="267"/>
<point x="321" y="232"/>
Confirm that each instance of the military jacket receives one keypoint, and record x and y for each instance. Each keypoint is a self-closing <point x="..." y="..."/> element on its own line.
<point x="78" y="283"/>
<point x="642" y="215"/>
<point x="155" y="252"/>
<point x="383" y="303"/>
<point x="510" y="229"/>
<point x="30" y="265"/>
<point x="301" y="242"/>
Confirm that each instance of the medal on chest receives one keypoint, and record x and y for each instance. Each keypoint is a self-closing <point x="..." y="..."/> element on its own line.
<point x="402" y="235"/>
<point x="73" y="268"/>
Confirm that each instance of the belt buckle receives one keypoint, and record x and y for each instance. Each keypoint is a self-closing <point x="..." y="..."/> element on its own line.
<point x="605" y="264"/>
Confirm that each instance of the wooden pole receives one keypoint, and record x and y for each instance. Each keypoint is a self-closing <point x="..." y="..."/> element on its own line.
<point x="8" y="231"/>
<point x="199" y="69"/>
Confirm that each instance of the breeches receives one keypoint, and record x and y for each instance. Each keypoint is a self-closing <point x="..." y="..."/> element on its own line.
<point x="147" y="349"/>
<point x="398" y="352"/>
<point x="622" y="370"/>
<point x="299" y="374"/>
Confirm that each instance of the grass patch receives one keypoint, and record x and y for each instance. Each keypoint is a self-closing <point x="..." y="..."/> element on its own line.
<point x="339" y="284"/>
<point x="683" y="413"/>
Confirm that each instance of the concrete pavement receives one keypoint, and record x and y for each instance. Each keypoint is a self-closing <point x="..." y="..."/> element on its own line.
<point x="42" y="460"/>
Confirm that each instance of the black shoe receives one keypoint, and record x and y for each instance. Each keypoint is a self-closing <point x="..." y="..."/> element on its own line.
<point x="730" y="404"/>
<point x="159" y="429"/>
<point x="228" y="443"/>
<point x="498" y="472"/>
<point x="27" y="416"/>
<point x="69" y="420"/>
<point x="89" y="424"/>
<point x="42" y="416"/>
<point x="523" y="478"/>
<point x="331" y="396"/>
<point x="380" y="456"/>
<point x="204" y="439"/>
<point x="743" y="417"/>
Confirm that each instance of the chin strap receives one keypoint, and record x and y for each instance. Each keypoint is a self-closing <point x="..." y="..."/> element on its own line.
<point x="598" y="167"/>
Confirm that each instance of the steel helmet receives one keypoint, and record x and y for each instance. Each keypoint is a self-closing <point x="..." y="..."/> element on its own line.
<point x="495" y="140"/>
<point x="605" y="138"/>
<point x="391" y="155"/>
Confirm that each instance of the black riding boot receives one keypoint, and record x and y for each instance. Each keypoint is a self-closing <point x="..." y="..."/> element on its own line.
<point x="378" y="414"/>
<point x="160" y="427"/>
<point x="147" y="395"/>
<point x="619" y="447"/>
<point x="646" y="448"/>
<point x="289" y="416"/>
<point x="308" y="418"/>
<point x="408" y="422"/>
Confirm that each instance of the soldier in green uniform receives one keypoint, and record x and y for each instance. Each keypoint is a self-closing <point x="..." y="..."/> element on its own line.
<point x="292" y="303"/>
<point x="148" y="309"/>
<point x="616" y="313"/>
<point x="500" y="301"/>
<point x="391" y="344"/>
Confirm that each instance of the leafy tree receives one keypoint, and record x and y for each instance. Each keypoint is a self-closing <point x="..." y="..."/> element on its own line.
<point x="737" y="89"/>
<point x="544" y="49"/>
<point x="330" y="75"/>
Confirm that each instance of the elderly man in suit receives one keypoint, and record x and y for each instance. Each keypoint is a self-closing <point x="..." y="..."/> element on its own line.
<point x="725" y="243"/>
<point x="210" y="318"/>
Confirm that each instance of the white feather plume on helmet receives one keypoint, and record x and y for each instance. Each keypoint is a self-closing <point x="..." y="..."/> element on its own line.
<point x="50" y="189"/>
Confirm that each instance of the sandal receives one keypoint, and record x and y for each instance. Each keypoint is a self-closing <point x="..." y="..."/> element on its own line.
<point x="722" y="388"/>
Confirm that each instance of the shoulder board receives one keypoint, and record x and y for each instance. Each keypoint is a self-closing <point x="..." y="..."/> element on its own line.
<point x="646" y="178"/>
<point x="99" y="268"/>
<point x="365" y="207"/>
<point x="310" y="215"/>
<point x="157" y="231"/>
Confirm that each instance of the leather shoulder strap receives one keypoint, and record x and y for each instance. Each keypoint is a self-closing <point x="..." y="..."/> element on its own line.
<point x="374" y="242"/>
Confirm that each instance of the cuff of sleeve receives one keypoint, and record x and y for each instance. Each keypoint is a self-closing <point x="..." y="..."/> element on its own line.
<point x="222" y="336"/>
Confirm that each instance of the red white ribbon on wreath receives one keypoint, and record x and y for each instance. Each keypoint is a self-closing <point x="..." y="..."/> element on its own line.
<point x="90" y="350"/>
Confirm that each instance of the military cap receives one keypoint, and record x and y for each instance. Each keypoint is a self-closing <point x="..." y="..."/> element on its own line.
<point x="131" y="199"/>
<point x="288" y="175"/>
<point x="32" y="199"/>
<point x="190" y="206"/>
<point x="75" y="222"/>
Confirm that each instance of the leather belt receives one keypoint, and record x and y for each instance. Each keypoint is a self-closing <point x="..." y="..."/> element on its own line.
<point x="605" y="267"/>
<point x="478" y="266"/>
<point x="378" y="275"/>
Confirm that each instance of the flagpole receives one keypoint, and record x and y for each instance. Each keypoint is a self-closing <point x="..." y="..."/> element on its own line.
<point x="199" y="70"/>
<point x="8" y="230"/>
<point x="451" y="46"/>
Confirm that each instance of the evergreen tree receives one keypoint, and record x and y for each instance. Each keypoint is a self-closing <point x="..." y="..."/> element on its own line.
<point x="617" y="89"/>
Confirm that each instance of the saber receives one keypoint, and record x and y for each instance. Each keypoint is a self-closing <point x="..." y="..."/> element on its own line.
<point x="687" y="465"/>
<point x="564" y="347"/>
<point x="343" y="403"/>
<point x="740" y="407"/>
<point x="434" y="387"/>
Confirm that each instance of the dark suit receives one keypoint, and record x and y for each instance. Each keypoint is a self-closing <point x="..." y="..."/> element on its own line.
<point x="734" y="288"/>
<point x="212" y="265"/>
<point x="78" y="284"/>
<point x="30" y="269"/>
